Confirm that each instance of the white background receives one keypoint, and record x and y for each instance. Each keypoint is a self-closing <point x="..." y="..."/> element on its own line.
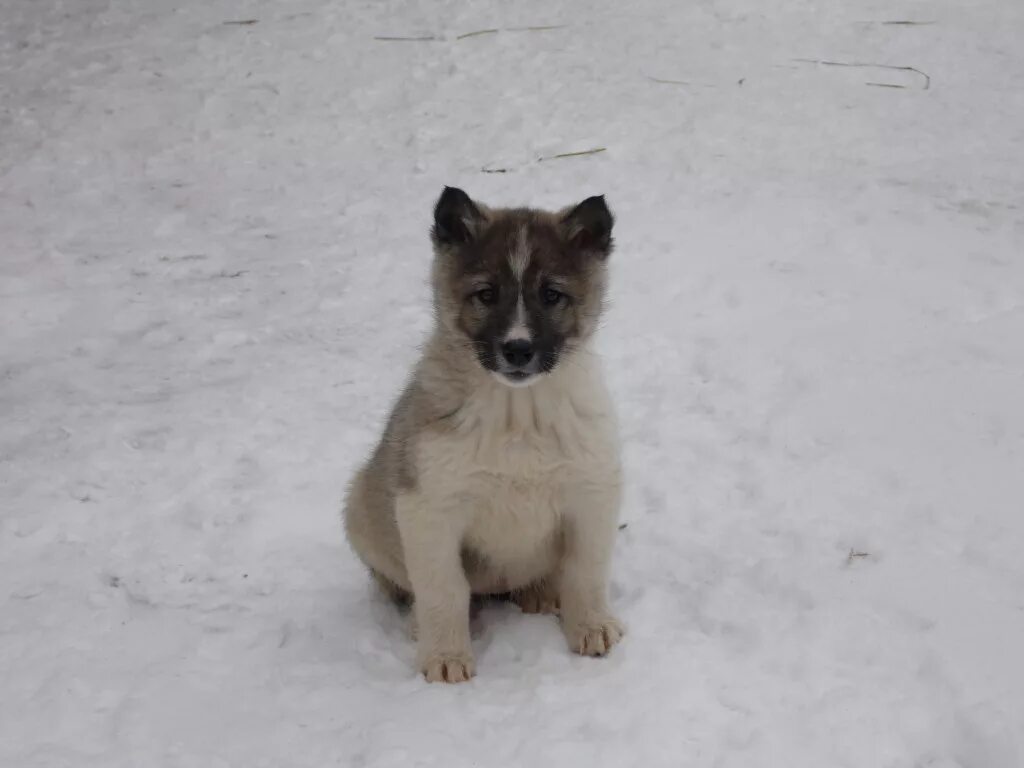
<point x="212" y="285"/>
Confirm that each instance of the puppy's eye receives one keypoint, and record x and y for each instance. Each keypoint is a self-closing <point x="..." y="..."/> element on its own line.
<point x="551" y="297"/>
<point x="487" y="296"/>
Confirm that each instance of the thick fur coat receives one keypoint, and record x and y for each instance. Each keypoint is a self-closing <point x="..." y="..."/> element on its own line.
<point x="498" y="471"/>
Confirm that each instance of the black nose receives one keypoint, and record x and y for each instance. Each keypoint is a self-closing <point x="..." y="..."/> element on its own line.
<point x="518" y="352"/>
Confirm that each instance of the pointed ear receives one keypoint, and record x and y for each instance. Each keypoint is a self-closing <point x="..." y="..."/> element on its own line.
<point x="457" y="219"/>
<point x="588" y="226"/>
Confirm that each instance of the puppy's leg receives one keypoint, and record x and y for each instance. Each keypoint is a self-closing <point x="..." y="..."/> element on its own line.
<point x="371" y="531"/>
<point x="539" y="597"/>
<point x="400" y="597"/>
<point x="431" y="541"/>
<point x="590" y="525"/>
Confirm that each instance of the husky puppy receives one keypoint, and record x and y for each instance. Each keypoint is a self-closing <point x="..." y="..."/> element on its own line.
<point x="498" y="471"/>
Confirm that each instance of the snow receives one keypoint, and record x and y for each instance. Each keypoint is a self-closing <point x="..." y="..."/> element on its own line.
<point x="212" y="286"/>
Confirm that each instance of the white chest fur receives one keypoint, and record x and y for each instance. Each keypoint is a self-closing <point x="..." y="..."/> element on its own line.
<point x="515" y="458"/>
<point x="563" y="425"/>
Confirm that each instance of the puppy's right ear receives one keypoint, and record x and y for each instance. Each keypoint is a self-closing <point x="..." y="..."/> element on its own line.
<point x="588" y="227"/>
<point x="457" y="219"/>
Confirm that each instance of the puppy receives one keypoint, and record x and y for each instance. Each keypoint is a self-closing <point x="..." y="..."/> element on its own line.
<point x="498" y="471"/>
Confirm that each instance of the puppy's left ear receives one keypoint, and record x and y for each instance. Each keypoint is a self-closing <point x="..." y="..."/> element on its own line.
<point x="588" y="227"/>
<point x="457" y="219"/>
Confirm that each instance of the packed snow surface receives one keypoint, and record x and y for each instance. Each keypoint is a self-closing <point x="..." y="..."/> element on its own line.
<point x="213" y="260"/>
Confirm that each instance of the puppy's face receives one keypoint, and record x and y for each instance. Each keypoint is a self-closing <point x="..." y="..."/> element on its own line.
<point x="521" y="288"/>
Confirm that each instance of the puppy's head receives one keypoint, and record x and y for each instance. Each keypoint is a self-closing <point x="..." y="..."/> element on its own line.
<point x="519" y="288"/>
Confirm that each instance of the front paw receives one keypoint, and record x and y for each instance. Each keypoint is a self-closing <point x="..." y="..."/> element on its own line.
<point x="448" y="667"/>
<point x="594" y="636"/>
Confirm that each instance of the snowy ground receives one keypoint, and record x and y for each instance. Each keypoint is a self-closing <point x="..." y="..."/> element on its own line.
<point x="214" y="248"/>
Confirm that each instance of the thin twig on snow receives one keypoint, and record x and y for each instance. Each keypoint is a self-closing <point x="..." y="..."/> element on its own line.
<point x="475" y="34"/>
<point x="927" y="78"/>
<point x="543" y="28"/>
<point x="594" y="151"/>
